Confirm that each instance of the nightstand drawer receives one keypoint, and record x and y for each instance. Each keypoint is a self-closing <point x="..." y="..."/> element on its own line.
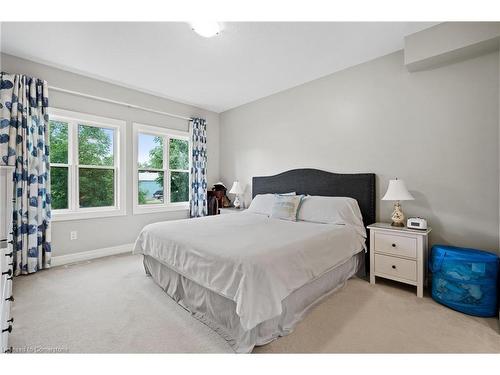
<point x="394" y="244"/>
<point x="397" y="267"/>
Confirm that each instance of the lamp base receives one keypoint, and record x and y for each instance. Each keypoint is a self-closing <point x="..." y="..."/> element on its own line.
<point x="237" y="203"/>
<point x="394" y="224"/>
<point x="398" y="218"/>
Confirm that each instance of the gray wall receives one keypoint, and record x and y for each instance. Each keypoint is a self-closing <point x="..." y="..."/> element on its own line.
<point x="113" y="231"/>
<point x="449" y="42"/>
<point x="435" y="129"/>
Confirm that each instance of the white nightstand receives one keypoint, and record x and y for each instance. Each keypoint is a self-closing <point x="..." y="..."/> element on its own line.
<point x="231" y="210"/>
<point x="399" y="254"/>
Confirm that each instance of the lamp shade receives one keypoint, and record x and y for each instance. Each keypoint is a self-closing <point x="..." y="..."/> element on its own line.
<point x="220" y="183"/>
<point x="236" y="188"/>
<point x="397" y="191"/>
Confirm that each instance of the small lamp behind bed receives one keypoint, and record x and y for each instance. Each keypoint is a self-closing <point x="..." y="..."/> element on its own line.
<point x="237" y="190"/>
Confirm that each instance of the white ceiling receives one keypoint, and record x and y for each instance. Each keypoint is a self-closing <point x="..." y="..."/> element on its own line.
<point x="247" y="61"/>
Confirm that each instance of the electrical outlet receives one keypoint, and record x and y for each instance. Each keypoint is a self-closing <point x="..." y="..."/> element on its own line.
<point x="73" y="235"/>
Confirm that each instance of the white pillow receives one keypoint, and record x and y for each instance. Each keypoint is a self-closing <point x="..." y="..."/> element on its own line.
<point x="263" y="203"/>
<point x="286" y="206"/>
<point x="332" y="210"/>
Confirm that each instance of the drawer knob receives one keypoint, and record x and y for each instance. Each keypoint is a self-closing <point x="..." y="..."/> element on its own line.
<point x="11" y="299"/>
<point x="393" y="245"/>
<point x="9" y="254"/>
<point x="9" y="350"/>
<point x="7" y="329"/>
<point x="11" y="320"/>
<point x="393" y="267"/>
<point x="9" y="272"/>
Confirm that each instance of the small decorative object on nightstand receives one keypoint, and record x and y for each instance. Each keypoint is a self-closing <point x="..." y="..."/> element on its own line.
<point x="397" y="191"/>
<point x="399" y="254"/>
<point x="237" y="190"/>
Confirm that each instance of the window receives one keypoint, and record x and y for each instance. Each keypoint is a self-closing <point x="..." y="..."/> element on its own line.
<point x="161" y="172"/>
<point x="87" y="173"/>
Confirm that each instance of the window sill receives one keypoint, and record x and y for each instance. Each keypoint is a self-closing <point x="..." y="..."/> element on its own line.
<point x="85" y="215"/>
<point x="139" y="210"/>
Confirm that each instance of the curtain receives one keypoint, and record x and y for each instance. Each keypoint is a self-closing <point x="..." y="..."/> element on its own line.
<point x="198" y="201"/>
<point x="24" y="144"/>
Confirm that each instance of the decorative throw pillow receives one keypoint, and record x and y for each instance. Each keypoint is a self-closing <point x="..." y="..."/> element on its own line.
<point x="286" y="206"/>
<point x="263" y="203"/>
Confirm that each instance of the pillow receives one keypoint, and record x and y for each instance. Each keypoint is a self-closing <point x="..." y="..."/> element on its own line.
<point x="286" y="206"/>
<point x="263" y="203"/>
<point x="332" y="210"/>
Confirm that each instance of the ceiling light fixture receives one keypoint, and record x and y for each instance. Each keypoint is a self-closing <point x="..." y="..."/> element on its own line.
<point x="206" y="29"/>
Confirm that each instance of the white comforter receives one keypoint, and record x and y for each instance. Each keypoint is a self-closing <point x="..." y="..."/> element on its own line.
<point x="249" y="258"/>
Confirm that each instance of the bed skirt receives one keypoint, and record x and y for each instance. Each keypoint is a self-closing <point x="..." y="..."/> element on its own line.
<point x="219" y="313"/>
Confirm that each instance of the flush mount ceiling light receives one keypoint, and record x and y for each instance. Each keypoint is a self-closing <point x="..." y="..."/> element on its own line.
<point x="206" y="29"/>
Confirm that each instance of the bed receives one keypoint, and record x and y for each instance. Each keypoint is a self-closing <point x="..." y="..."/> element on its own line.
<point x="252" y="278"/>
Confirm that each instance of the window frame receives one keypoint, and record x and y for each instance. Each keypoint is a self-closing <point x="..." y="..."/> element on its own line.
<point x="166" y="134"/>
<point x="74" y="211"/>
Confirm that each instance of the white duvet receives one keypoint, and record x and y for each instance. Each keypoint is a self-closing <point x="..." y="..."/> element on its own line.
<point x="249" y="258"/>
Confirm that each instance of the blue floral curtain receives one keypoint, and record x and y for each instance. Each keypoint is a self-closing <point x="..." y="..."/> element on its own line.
<point x="24" y="144"/>
<point x="198" y="201"/>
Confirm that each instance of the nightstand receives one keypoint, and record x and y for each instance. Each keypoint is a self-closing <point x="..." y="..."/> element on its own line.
<point x="231" y="210"/>
<point x="399" y="254"/>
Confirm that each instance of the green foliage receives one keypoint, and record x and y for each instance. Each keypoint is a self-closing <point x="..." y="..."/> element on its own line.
<point x="96" y="187"/>
<point x="59" y="154"/>
<point x="59" y="183"/>
<point x="142" y="197"/>
<point x="155" y="154"/>
<point x="179" y="159"/>
<point x="179" y="154"/>
<point x="95" y="145"/>
<point x="179" y="181"/>
<point x="179" y="187"/>
<point x="58" y="142"/>
<point x="95" y="148"/>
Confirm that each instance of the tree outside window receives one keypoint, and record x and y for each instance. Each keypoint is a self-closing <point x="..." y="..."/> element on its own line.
<point x="161" y="182"/>
<point x="84" y="163"/>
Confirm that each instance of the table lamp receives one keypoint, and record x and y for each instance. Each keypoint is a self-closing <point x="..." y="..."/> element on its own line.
<point x="237" y="190"/>
<point x="397" y="192"/>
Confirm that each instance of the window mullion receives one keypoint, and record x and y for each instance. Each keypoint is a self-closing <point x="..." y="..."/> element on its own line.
<point x="75" y="167"/>
<point x="166" y="165"/>
<point x="116" y="161"/>
<point x="71" y="171"/>
<point x="149" y="170"/>
<point x="96" y="166"/>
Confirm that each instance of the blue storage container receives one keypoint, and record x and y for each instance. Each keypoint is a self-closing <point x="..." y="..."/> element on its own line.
<point x="465" y="279"/>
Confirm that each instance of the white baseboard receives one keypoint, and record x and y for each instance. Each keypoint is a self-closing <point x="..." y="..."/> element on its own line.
<point x="91" y="254"/>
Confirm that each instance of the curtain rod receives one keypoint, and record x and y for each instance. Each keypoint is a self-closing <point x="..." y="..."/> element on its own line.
<point x="125" y="104"/>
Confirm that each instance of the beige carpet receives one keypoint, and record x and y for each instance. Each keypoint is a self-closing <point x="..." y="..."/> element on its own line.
<point x="109" y="306"/>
